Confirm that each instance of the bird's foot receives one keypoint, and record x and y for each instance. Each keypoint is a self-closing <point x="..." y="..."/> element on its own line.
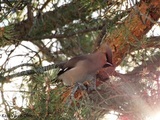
<point x="73" y="91"/>
<point x="92" y="85"/>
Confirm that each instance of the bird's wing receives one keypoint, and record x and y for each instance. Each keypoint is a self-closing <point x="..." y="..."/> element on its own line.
<point x="71" y="63"/>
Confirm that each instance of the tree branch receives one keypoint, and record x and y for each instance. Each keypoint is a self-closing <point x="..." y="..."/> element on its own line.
<point x="38" y="70"/>
<point x="52" y="20"/>
<point x="65" y="35"/>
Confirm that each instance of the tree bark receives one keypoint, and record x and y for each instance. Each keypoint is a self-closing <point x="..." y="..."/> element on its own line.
<point x="130" y="34"/>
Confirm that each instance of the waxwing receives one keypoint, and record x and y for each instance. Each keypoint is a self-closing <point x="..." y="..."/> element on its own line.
<point x="82" y="68"/>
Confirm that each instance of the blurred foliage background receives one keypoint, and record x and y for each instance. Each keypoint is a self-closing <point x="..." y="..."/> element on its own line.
<point x="35" y="35"/>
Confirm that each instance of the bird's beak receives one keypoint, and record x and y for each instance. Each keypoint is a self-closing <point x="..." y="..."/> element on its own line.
<point x="108" y="65"/>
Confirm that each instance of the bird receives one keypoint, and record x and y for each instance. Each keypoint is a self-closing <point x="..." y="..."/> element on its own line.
<point x="79" y="69"/>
